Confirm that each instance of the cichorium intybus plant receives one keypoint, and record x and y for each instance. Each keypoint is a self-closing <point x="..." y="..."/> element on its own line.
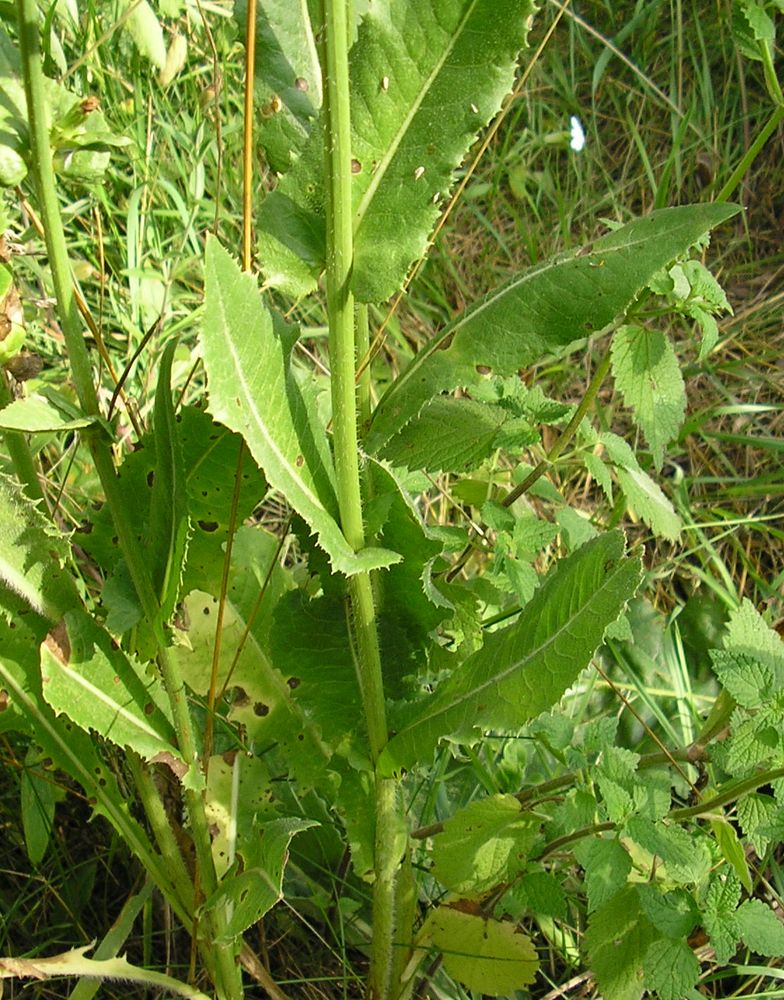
<point x="298" y="707"/>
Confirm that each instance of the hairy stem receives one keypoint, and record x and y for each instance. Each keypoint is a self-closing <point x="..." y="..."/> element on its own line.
<point x="342" y="351"/>
<point x="19" y="450"/>
<point x="81" y="370"/>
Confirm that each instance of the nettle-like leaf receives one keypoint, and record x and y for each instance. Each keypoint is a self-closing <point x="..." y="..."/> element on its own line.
<point x="617" y="939"/>
<point x="642" y="493"/>
<point x="647" y="372"/>
<point x="254" y="392"/>
<point x="671" y="969"/>
<point x="530" y="317"/>
<point x="607" y="864"/>
<point x="482" y="845"/>
<point x="287" y="77"/>
<point x="490" y="956"/>
<point x="426" y="76"/>
<point x="524" y="669"/>
<point x="33" y="555"/>
<point x="684" y="856"/>
<point x="89" y="679"/>
<point x="719" y="916"/>
<point x="760" y="929"/>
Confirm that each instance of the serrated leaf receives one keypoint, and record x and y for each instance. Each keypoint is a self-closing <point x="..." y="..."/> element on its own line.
<point x="671" y="969"/>
<point x="90" y="680"/>
<point x="483" y="844"/>
<point x="617" y="939"/>
<point x="646" y="371"/>
<point x="425" y="78"/>
<point x="685" y="857"/>
<point x="537" y="892"/>
<point x="607" y="865"/>
<point x="649" y="503"/>
<point x="254" y="392"/>
<point x="248" y="896"/>
<point x="490" y="956"/>
<point x="673" y="913"/>
<point x="748" y="633"/>
<point x="760" y="928"/>
<point x="33" y="555"/>
<point x="757" y="813"/>
<point x="450" y="435"/>
<point x="529" y="317"/>
<point x="287" y="90"/>
<point x="166" y="534"/>
<point x="719" y="917"/>
<point x="525" y="669"/>
<point x="750" y="682"/>
<point x="39" y="794"/>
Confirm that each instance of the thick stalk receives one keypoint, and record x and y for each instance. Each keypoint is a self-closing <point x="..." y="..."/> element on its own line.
<point x="342" y="351"/>
<point x="81" y="371"/>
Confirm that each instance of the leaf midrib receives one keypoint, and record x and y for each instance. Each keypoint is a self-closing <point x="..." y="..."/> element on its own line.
<point x="397" y="138"/>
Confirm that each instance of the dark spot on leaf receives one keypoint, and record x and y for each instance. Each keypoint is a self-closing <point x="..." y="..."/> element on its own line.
<point x="300" y="461"/>
<point x="239" y="696"/>
<point x="483" y="369"/>
<point x="244" y="895"/>
<point x="205" y="611"/>
<point x="356" y="167"/>
<point x="293" y="682"/>
<point x="260" y="709"/>
<point x="5" y="699"/>
<point x="300" y="737"/>
<point x="47" y="762"/>
<point x="116" y="679"/>
<point x="301" y="84"/>
<point x="446" y="343"/>
<point x="229" y="757"/>
<point x="150" y="477"/>
<point x="208" y="525"/>
<point x="204" y="493"/>
<point x="58" y="644"/>
<point x="114" y="539"/>
<point x="149" y="708"/>
<point x="214" y="830"/>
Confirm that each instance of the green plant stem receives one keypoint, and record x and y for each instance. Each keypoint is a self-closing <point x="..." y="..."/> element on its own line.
<point x="342" y="353"/>
<point x="363" y="376"/>
<point x="552" y="456"/>
<point x="751" y="155"/>
<point x="81" y="370"/>
<point x="19" y="450"/>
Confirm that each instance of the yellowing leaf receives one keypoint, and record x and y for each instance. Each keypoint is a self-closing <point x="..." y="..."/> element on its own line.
<point x="490" y="956"/>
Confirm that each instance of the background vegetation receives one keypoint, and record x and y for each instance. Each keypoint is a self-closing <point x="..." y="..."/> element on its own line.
<point x="669" y="104"/>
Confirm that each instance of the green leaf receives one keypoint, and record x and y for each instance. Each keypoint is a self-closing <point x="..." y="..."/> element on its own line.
<point x="761" y="930"/>
<point x="530" y="317"/>
<point x="287" y="90"/>
<point x="671" y="969"/>
<point x="750" y="682"/>
<point x="537" y="892"/>
<point x="757" y="813"/>
<point x="685" y="857"/>
<point x="259" y="696"/>
<point x="607" y="865"/>
<point x="524" y="669"/>
<point x="426" y="76"/>
<point x="749" y="634"/>
<point x="35" y="414"/>
<point x="483" y="844"/>
<point x="490" y="956"/>
<point x="99" y="688"/>
<point x="732" y="850"/>
<point x="617" y="940"/>
<point x="253" y="391"/>
<point x="166" y="535"/>
<point x="719" y="917"/>
<point x="451" y="435"/>
<point x="673" y="913"/>
<point x="33" y="555"/>
<point x="40" y="792"/>
<point x="648" y="501"/>
<point x="647" y="372"/>
<point x="248" y="896"/>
